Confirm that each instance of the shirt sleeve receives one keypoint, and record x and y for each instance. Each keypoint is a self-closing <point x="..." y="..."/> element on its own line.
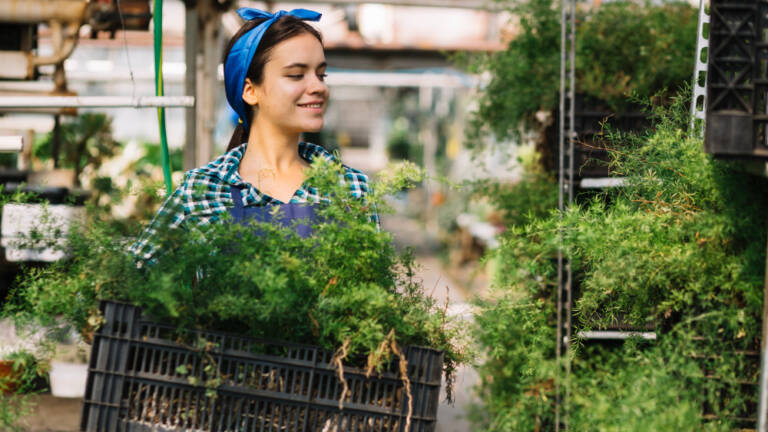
<point x="373" y="216"/>
<point x="359" y="187"/>
<point x="170" y="215"/>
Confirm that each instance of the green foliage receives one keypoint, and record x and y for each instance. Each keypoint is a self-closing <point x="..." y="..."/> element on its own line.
<point x="686" y="222"/>
<point x="87" y="140"/>
<point x="516" y="378"/>
<point x="402" y="144"/>
<point x="9" y="160"/>
<point x="626" y="48"/>
<point x="524" y="76"/>
<point x="16" y="386"/>
<point x="531" y="197"/>
<point x="641" y="388"/>
<point x="13" y="408"/>
<point x="344" y="286"/>
<point x="153" y="155"/>
<point x="680" y="248"/>
<point x="622" y="48"/>
<point x="26" y="370"/>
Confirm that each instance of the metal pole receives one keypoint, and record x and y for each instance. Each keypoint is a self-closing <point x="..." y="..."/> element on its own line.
<point x="566" y="142"/>
<point x="96" y="101"/>
<point x="190" y="83"/>
<point x="561" y="208"/>
<point x="700" y="89"/>
<point x="762" y="406"/>
<point x="207" y="82"/>
<point x="568" y="292"/>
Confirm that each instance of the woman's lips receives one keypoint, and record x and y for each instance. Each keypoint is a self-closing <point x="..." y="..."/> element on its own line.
<point x="313" y="106"/>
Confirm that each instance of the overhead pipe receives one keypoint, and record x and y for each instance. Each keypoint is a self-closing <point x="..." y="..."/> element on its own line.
<point x="96" y="101"/>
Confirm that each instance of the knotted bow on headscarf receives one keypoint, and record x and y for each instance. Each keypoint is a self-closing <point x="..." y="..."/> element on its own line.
<point x="240" y="56"/>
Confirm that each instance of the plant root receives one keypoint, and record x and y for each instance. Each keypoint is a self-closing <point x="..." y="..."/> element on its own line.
<point x="374" y="358"/>
<point x="338" y="360"/>
<point x="406" y="381"/>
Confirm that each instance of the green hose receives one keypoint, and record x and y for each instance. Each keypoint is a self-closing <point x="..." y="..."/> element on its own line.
<point x="158" y="39"/>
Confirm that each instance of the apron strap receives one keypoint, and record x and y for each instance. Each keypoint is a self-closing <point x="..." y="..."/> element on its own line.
<point x="238" y="212"/>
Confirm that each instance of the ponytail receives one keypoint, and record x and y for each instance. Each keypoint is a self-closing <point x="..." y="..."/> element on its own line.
<point x="238" y="137"/>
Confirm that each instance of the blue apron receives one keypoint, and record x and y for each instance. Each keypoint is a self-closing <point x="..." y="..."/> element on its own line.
<point x="286" y="214"/>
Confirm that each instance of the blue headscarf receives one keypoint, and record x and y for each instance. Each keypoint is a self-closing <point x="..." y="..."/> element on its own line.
<point x="240" y="56"/>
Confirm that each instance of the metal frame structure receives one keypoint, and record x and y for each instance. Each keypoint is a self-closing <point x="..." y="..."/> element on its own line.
<point x="698" y="110"/>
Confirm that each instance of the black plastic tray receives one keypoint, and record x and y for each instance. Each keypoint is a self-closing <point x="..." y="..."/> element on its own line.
<point x="134" y="383"/>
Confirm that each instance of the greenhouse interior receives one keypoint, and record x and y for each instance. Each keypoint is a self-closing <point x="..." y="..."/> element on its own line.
<point x="391" y="216"/>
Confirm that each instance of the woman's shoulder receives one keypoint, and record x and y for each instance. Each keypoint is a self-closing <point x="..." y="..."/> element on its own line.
<point x="204" y="191"/>
<point x="215" y="175"/>
<point x="220" y="169"/>
<point x="357" y="180"/>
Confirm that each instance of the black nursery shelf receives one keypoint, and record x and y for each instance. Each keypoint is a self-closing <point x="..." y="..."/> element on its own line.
<point x="135" y="383"/>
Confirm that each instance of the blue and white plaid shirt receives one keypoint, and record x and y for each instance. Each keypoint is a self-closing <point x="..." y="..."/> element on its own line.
<point x="204" y="196"/>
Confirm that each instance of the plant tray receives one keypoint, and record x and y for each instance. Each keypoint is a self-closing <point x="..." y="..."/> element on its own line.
<point x="136" y="383"/>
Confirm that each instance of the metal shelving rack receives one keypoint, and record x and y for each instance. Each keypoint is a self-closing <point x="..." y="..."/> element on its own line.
<point x="569" y="180"/>
<point x="734" y="78"/>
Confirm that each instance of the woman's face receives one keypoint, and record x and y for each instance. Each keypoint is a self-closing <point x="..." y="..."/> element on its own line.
<point x="293" y="94"/>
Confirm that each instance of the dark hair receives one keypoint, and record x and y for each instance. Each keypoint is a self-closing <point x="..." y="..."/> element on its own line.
<point x="284" y="28"/>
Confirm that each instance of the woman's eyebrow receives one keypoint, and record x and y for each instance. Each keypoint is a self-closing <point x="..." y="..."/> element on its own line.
<point x="304" y="65"/>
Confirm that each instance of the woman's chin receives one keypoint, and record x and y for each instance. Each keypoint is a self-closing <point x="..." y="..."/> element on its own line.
<point x="313" y="128"/>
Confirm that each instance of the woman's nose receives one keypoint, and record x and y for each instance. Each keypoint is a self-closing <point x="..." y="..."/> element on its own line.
<point x="317" y="86"/>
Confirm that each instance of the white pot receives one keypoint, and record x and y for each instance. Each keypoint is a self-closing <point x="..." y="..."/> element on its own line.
<point x="52" y="221"/>
<point x="68" y="379"/>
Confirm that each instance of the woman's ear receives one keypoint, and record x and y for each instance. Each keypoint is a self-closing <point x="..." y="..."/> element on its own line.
<point x="249" y="93"/>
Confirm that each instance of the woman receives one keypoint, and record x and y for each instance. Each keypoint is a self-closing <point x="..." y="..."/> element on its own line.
<point x="274" y="72"/>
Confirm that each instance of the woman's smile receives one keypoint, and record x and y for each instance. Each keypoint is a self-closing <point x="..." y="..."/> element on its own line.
<point x="316" y="107"/>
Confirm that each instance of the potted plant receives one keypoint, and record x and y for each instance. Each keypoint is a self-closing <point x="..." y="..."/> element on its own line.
<point x="49" y="211"/>
<point x="72" y="146"/>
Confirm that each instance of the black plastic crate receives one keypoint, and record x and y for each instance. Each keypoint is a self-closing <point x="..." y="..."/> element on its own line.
<point x="592" y="118"/>
<point x="134" y="383"/>
<point x="737" y="79"/>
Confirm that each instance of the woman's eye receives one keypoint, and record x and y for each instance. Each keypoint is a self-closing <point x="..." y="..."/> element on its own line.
<point x="322" y="76"/>
<point x="298" y="76"/>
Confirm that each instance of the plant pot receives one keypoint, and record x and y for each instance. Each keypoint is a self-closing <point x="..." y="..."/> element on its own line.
<point x="68" y="379"/>
<point x="19" y="220"/>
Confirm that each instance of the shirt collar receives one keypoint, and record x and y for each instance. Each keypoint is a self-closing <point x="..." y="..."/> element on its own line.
<point x="225" y="167"/>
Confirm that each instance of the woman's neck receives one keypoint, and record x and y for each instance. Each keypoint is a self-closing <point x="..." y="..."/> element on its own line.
<point x="271" y="149"/>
